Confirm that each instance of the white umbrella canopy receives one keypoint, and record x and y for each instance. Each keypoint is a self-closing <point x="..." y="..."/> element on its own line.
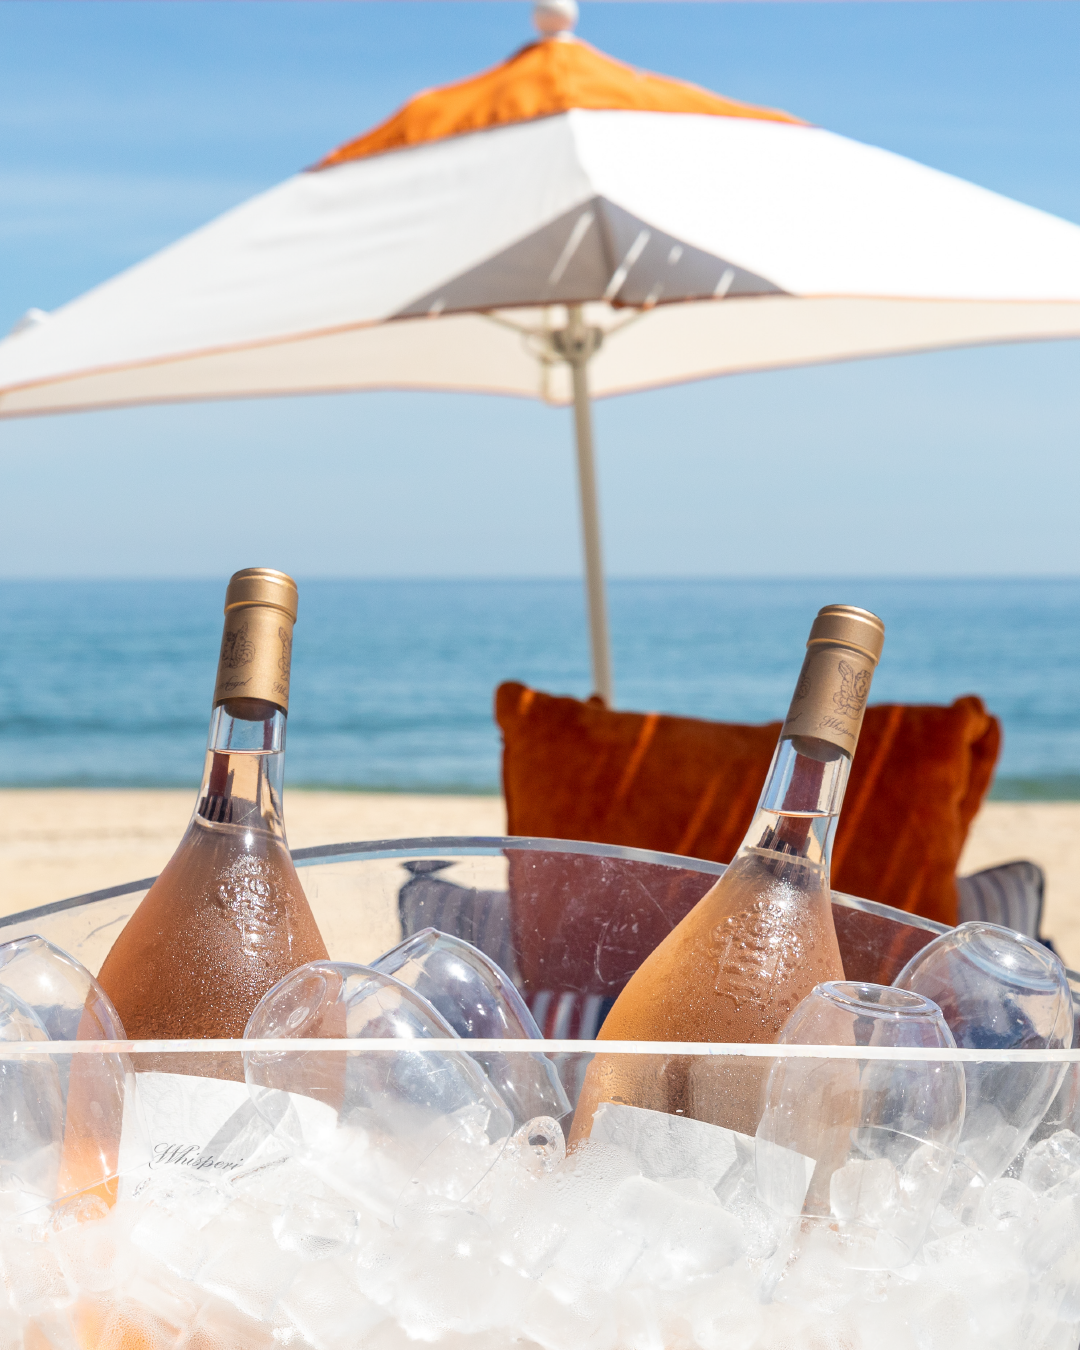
<point x="559" y="224"/>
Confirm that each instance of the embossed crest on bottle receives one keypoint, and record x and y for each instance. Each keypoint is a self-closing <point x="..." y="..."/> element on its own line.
<point x="759" y="945"/>
<point x="830" y="698"/>
<point x="247" y="896"/>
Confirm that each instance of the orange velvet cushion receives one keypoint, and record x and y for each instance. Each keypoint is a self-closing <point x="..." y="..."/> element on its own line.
<point x="574" y="770"/>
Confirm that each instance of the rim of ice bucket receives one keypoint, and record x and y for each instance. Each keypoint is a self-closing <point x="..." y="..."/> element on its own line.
<point x="465" y="846"/>
<point x="469" y="846"/>
<point x="698" y="1049"/>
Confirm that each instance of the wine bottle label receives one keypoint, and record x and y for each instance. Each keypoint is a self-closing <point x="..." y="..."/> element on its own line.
<point x="256" y="652"/>
<point x="830" y="697"/>
<point x="205" y="1127"/>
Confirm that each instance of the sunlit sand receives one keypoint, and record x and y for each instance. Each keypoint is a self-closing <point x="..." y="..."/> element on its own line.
<point x="60" y="842"/>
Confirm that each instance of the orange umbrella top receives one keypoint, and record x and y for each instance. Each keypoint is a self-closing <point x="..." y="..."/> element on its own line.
<point x="547" y="77"/>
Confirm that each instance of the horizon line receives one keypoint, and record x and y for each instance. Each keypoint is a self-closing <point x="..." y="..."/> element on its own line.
<point x="561" y="577"/>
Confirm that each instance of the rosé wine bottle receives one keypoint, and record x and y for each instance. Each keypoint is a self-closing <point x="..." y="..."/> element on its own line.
<point x="227" y="918"/>
<point x="756" y="944"/>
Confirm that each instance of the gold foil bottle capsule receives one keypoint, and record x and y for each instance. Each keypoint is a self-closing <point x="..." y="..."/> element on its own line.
<point x="256" y="642"/>
<point x="842" y="652"/>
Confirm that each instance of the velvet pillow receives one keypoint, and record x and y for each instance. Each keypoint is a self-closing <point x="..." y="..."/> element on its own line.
<point x="578" y="770"/>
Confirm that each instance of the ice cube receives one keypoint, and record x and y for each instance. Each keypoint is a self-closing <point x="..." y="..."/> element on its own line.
<point x="171" y="1239"/>
<point x="666" y="1145"/>
<point x="526" y="1217"/>
<point x="249" y="1274"/>
<point x="326" y="1309"/>
<point x="535" y="1215"/>
<point x="1007" y="1205"/>
<point x="33" y="1276"/>
<point x="57" y="1330"/>
<point x="455" y="1288"/>
<point x="1052" y="1161"/>
<point x="92" y="1243"/>
<point x="819" y="1266"/>
<point x="684" y="1230"/>
<point x="153" y="1309"/>
<point x="865" y="1191"/>
<point x="970" y="1290"/>
<point x="759" y="1226"/>
<point x="1053" y="1255"/>
<point x="726" y="1312"/>
<point x="315" y="1229"/>
<point x="557" y="1318"/>
<point x="217" y="1326"/>
<point x="595" y="1254"/>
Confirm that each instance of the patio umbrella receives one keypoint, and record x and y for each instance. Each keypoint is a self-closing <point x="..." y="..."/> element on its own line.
<point x="559" y="224"/>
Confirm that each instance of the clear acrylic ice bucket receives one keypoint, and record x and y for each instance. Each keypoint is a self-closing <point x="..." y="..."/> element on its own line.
<point x="236" y="1224"/>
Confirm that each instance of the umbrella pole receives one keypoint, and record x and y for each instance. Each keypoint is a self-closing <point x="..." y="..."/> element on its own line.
<point x="578" y="357"/>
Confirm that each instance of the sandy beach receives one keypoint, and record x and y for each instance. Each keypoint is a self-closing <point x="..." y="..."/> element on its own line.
<point x="56" y="843"/>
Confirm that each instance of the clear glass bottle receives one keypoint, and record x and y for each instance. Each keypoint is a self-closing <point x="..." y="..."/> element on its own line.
<point x="736" y="966"/>
<point x="227" y="918"/>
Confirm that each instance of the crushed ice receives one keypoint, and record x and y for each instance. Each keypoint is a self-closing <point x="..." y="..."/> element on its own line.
<point x="650" y="1236"/>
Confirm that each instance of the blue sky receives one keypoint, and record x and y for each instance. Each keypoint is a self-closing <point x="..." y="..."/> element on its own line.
<point x="124" y="125"/>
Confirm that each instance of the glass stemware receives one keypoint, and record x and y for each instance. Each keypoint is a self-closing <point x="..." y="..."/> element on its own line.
<point x="31" y="1115"/>
<point x="71" y="1005"/>
<point x="479" y="1001"/>
<point x="997" y="990"/>
<point x="861" y="1147"/>
<point x="403" y="1124"/>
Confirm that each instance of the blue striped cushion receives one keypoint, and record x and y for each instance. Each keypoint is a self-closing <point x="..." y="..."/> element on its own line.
<point x="1010" y="894"/>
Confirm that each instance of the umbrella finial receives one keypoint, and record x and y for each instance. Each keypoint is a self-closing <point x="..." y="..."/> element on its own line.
<point x="555" y="18"/>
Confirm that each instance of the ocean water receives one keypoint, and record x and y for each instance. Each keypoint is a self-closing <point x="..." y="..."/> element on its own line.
<point x="108" y="683"/>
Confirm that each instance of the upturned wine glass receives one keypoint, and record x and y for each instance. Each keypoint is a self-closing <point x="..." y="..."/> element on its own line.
<point x="862" y="1146"/>
<point x="31" y="1115"/>
<point x="998" y="990"/>
<point x="71" y="1005"/>
<point x="479" y="1000"/>
<point x="386" y="1122"/>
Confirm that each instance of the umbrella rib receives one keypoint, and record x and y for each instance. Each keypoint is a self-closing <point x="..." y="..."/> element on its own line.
<point x="524" y="329"/>
<point x="633" y="253"/>
<point x="577" y="234"/>
<point x="724" y="284"/>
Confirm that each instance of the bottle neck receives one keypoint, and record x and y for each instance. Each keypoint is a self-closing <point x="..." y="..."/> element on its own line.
<point x="245" y="767"/>
<point x="797" y="814"/>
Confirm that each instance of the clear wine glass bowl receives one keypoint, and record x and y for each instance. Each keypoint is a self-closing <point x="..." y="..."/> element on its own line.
<point x="997" y="990"/>
<point x="71" y="1005"/>
<point x="479" y="1000"/>
<point x="373" y="1124"/>
<point x="861" y="1146"/>
<point x="31" y="1114"/>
